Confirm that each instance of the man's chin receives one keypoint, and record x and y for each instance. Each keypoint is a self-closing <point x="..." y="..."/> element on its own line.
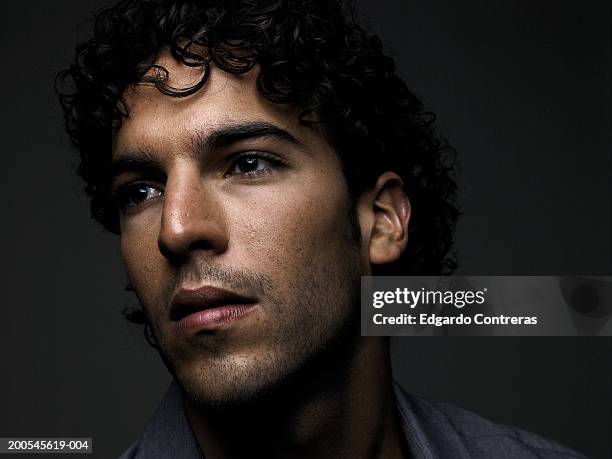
<point x="231" y="381"/>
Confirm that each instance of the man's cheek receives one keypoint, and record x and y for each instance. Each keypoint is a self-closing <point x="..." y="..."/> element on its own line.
<point x="283" y="239"/>
<point x="142" y="265"/>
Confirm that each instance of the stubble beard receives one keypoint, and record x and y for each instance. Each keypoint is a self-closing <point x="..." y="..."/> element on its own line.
<point x="315" y="325"/>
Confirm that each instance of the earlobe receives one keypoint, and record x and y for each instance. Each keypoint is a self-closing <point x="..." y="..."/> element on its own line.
<point x="391" y="213"/>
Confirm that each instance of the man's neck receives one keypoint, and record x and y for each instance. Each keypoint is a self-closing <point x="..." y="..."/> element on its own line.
<point x="345" y="411"/>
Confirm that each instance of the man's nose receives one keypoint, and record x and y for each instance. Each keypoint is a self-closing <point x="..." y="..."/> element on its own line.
<point x="192" y="219"/>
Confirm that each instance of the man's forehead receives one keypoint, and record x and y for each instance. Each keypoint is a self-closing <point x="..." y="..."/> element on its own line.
<point x="224" y="99"/>
<point x="221" y="94"/>
<point x="157" y="121"/>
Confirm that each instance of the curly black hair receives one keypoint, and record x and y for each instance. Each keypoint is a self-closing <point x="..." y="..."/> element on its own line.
<point x="312" y="54"/>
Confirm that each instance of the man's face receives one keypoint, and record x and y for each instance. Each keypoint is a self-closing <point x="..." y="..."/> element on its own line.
<point x="225" y="190"/>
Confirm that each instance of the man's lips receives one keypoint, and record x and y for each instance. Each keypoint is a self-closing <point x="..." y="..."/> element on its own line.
<point x="208" y="307"/>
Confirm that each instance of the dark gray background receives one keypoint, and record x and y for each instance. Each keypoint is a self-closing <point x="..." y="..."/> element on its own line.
<point x="522" y="90"/>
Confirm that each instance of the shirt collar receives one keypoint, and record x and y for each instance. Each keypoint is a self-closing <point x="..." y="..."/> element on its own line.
<point x="169" y="434"/>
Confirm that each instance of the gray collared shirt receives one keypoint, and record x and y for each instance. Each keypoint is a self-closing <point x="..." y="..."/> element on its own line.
<point x="432" y="429"/>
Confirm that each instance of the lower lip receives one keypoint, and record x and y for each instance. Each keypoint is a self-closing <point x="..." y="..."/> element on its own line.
<point x="214" y="318"/>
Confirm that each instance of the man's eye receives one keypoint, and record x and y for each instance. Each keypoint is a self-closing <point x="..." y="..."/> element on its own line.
<point x="252" y="165"/>
<point x="132" y="195"/>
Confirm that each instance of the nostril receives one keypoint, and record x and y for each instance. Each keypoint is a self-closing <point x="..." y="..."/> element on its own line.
<point x="176" y="248"/>
<point x="171" y="254"/>
<point x="173" y="241"/>
<point x="201" y="245"/>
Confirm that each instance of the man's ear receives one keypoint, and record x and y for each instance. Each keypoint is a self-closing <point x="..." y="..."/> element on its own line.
<point x="384" y="213"/>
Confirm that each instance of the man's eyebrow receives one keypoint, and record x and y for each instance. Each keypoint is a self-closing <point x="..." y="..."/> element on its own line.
<point x="227" y="135"/>
<point x="146" y="161"/>
<point x="134" y="161"/>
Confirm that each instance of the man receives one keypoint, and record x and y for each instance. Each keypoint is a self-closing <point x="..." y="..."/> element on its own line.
<point x="258" y="158"/>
